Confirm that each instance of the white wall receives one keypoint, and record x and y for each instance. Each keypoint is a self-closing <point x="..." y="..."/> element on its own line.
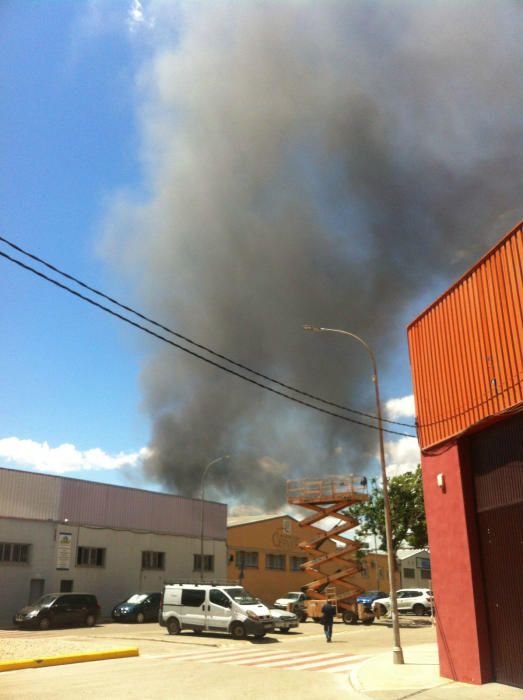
<point x="121" y="575"/>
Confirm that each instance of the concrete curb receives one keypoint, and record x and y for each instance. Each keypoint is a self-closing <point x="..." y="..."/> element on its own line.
<point x="68" y="659"/>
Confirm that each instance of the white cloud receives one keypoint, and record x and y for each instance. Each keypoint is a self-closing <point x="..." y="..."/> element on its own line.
<point x="138" y="17"/>
<point x="395" y="408"/>
<point x="135" y="16"/>
<point x="402" y="456"/>
<point x="65" y="458"/>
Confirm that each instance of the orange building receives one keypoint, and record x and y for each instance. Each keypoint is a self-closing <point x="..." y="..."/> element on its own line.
<point x="263" y="553"/>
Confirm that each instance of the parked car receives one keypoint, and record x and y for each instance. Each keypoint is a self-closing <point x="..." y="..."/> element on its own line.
<point x="59" y="609"/>
<point x="293" y="601"/>
<point x="139" y="607"/>
<point x="290" y="598"/>
<point x="283" y="619"/>
<point x="415" y="600"/>
<point x="368" y="598"/>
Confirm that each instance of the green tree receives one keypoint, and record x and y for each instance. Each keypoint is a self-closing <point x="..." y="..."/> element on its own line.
<point x="409" y="524"/>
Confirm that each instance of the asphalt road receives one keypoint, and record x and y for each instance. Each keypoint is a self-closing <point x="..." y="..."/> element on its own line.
<point x="299" y="664"/>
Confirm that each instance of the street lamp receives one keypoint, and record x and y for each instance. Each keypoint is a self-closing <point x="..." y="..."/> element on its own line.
<point x="397" y="653"/>
<point x="202" y="506"/>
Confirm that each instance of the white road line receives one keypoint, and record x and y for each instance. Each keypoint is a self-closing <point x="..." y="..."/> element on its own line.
<point x="302" y="662"/>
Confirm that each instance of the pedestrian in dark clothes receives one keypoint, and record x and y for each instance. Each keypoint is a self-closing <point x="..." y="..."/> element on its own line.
<point x="328" y="611"/>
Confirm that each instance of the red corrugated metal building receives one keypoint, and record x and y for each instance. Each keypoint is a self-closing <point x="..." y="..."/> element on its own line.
<point x="466" y="352"/>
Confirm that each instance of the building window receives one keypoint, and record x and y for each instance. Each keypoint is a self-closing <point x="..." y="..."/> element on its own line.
<point x="364" y="571"/>
<point x="208" y="562"/>
<point x="153" y="560"/>
<point x="296" y="563"/>
<point x="425" y="574"/>
<point x="275" y="561"/>
<point x="90" y="556"/>
<point x="66" y="585"/>
<point x="247" y="560"/>
<point x="14" y="552"/>
<point x="408" y="573"/>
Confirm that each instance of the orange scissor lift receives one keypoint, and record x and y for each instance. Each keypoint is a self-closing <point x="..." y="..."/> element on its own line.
<point x="328" y="497"/>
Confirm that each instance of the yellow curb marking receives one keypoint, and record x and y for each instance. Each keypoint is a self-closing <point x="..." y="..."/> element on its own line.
<point x="69" y="659"/>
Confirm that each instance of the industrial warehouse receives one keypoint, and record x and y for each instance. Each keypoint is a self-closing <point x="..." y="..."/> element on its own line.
<point x="63" y="534"/>
<point x="467" y="364"/>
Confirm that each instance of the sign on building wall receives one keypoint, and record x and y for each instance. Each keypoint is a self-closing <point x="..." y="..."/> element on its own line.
<point x="63" y="550"/>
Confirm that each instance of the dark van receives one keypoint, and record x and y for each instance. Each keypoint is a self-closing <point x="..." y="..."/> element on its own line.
<point x="60" y="610"/>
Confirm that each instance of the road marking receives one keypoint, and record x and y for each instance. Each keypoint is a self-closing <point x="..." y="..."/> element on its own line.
<point x="324" y="662"/>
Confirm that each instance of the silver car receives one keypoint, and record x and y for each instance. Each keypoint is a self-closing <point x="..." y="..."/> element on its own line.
<point x="283" y="619"/>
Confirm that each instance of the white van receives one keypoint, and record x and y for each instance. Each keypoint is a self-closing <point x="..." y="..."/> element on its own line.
<point x="205" y="607"/>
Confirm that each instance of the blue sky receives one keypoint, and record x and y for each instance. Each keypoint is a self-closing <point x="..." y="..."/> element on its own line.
<point x="99" y="108"/>
<point x="68" y="138"/>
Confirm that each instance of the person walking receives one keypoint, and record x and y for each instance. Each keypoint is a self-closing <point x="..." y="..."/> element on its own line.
<point x="328" y="611"/>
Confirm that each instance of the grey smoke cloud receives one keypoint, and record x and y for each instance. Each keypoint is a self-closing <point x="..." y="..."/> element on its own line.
<point x="307" y="162"/>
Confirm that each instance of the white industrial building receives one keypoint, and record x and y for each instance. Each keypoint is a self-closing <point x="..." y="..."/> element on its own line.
<point x="414" y="566"/>
<point x="63" y="534"/>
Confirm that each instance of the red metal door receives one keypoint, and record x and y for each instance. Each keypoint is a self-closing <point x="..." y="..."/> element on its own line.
<point x="497" y="459"/>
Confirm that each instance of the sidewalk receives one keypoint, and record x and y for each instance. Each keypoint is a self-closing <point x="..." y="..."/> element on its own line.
<point x="379" y="678"/>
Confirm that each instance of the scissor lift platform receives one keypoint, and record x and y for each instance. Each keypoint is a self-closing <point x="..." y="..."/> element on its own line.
<point x="328" y="497"/>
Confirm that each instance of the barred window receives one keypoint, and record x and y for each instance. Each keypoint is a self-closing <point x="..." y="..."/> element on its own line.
<point x="275" y="561"/>
<point x="425" y="573"/>
<point x="153" y="560"/>
<point x="208" y="562"/>
<point x="90" y="556"/>
<point x="14" y="552"/>
<point x="296" y="563"/>
<point x="364" y="572"/>
<point x="409" y="573"/>
<point x="247" y="560"/>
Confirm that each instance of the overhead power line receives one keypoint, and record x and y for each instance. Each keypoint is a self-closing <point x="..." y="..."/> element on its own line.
<point x="181" y="347"/>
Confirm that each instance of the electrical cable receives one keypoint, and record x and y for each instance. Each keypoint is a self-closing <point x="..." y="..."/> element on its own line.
<point x="191" y="352"/>
<point x="192" y="342"/>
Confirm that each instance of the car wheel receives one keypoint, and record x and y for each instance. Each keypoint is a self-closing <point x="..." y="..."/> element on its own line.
<point x="418" y="609"/>
<point x="368" y="620"/>
<point x="284" y="629"/>
<point x="173" y="626"/>
<point x="349" y="617"/>
<point x="140" y="618"/>
<point x="238" y="631"/>
<point x="381" y="609"/>
<point x="260" y="635"/>
<point x="90" y="620"/>
<point x="44" y="623"/>
<point x="303" y="618"/>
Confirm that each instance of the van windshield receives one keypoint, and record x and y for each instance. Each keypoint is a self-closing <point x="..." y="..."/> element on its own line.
<point x="241" y="596"/>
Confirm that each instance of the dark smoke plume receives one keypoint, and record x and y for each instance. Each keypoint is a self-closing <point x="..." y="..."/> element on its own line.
<point x="326" y="162"/>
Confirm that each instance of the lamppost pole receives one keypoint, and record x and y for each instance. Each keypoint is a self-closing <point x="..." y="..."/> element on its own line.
<point x="202" y="506"/>
<point x="397" y="652"/>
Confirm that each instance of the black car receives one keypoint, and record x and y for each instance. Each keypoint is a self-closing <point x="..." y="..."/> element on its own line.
<point x="140" y="607"/>
<point x="59" y="610"/>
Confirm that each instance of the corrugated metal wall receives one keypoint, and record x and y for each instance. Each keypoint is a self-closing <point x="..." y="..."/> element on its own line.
<point x="466" y="349"/>
<point x="497" y="461"/>
<point x="131" y="509"/>
<point x="29" y="495"/>
<point x="45" y="497"/>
